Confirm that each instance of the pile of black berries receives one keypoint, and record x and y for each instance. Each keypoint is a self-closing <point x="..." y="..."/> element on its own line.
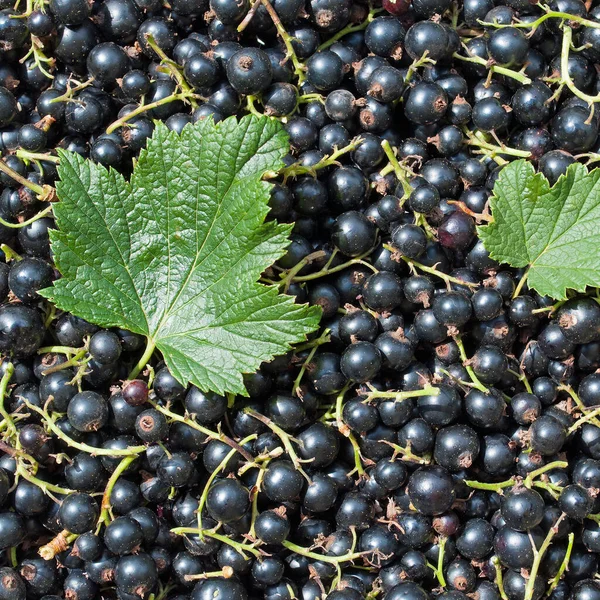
<point x="439" y="436"/>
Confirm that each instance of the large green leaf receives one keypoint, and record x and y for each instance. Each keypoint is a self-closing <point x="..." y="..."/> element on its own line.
<point x="555" y="231"/>
<point x="176" y="252"/>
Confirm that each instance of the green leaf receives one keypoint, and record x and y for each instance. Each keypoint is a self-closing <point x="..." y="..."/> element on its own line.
<point x="555" y="231"/>
<point x="175" y="253"/>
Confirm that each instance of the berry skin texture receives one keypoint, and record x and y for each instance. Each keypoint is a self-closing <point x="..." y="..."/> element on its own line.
<point x="361" y="361"/>
<point x="78" y="513"/>
<point x="431" y="490"/>
<point x="426" y="104"/>
<point x="353" y="233"/>
<point x="249" y="71"/>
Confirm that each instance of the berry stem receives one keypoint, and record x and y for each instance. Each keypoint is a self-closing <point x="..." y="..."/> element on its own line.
<point x="407" y="454"/>
<point x="557" y="464"/>
<point x="332" y="159"/>
<point x="43" y="485"/>
<point x="241" y="548"/>
<point x="564" y="68"/>
<point x="520" y="77"/>
<point x="144" y="360"/>
<point x="430" y="270"/>
<point x="538" y="555"/>
<point x="9" y="253"/>
<point x="299" y="68"/>
<point x="8" y="373"/>
<point x="398" y="169"/>
<point x="587" y="417"/>
<point x="563" y="566"/>
<point x="333" y="560"/>
<point x="498" y="581"/>
<point x="71" y="91"/>
<point x="75" y="360"/>
<point x="521" y="284"/>
<point x="478" y="140"/>
<point x="296" y="385"/>
<point x="37" y="189"/>
<point x="250" y="100"/>
<point x="215" y="474"/>
<point x="105" y="512"/>
<point x="373" y="12"/>
<point x="213" y="435"/>
<point x="493" y="487"/>
<point x="550" y="14"/>
<point x="463" y="355"/>
<point x="130" y="451"/>
<point x="324" y="338"/>
<point x="33" y="219"/>
<point x="57" y="544"/>
<point x="439" y="571"/>
<point x="358" y="466"/>
<point x="399" y="396"/>
<point x="144" y="108"/>
<point x="283" y="436"/>
<point x="580" y="405"/>
<point x="26" y="155"/>
<point x="174" y="70"/>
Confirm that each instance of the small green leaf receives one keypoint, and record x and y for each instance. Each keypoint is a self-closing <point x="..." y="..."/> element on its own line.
<point x="555" y="231"/>
<point x="175" y="253"/>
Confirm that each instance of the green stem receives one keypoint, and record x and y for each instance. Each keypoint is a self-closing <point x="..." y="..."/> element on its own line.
<point x="106" y="506"/>
<point x="241" y="548"/>
<point x="550" y="14"/>
<point x="72" y="362"/>
<point x="468" y="368"/>
<point x="299" y="68"/>
<point x="333" y="560"/>
<point x="521" y="284"/>
<point x="26" y="155"/>
<point x="144" y="360"/>
<point x="207" y="432"/>
<point x="12" y="554"/>
<point x="40" y="483"/>
<point x="357" y="459"/>
<point x="399" y="396"/>
<point x="8" y="373"/>
<point x="332" y="159"/>
<point x="71" y="91"/>
<point x="33" y="219"/>
<point x="336" y="269"/>
<point x="398" y="169"/>
<point x="350" y="29"/>
<point x="557" y="464"/>
<point x="588" y="417"/>
<point x="494" y="487"/>
<point x="215" y="474"/>
<point x="9" y="253"/>
<point x="407" y="454"/>
<point x="499" y="582"/>
<point x="563" y="566"/>
<point x="142" y="109"/>
<point x="130" y="451"/>
<point x="580" y="405"/>
<point x="36" y="189"/>
<point x="520" y="77"/>
<point x="431" y="270"/>
<point x="474" y="140"/>
<point x="175" y="71"/>
<point x="439" y="572"/>
<point x="538" y="555"/>
<point x="283" y="436"/>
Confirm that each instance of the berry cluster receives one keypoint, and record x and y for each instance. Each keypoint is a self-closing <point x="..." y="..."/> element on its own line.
<point x="438" y="437"/>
